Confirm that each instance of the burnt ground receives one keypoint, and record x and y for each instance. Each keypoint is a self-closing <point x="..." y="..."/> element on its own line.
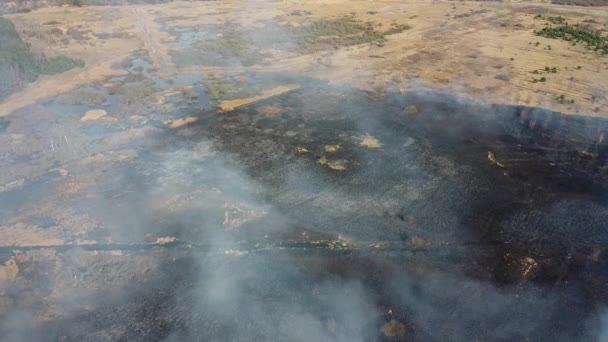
<point x="323" y="214"/>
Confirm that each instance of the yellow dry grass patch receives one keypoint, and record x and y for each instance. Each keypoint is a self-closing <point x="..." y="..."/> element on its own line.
<point x="369" y="141"/>
<point x="230" y="105"/>
<point x="9" y="270"/>
<point x="183" y="122"/>
<point x="94" y="114"/>
<point x="484" y="50"/>
<point x="336" y="165"/>
<point x="301" y="149"/>
<point x="332" y="148"/>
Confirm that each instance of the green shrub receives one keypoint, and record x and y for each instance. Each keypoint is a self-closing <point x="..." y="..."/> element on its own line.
<point x="19" y="66"/>
<point x="59" y="64"/>
<point x="397" y="29"/>
<point x="593" y="40"/>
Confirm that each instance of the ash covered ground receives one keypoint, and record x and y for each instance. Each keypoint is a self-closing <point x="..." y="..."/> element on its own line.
<point x="136" y="210"/>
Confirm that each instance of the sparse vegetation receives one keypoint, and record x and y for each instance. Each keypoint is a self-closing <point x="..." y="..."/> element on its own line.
<point x="563" y="99"/>
<point x="134" y="93"/>
<point x="593" y="40"/>
<point x="542" y="80"/>
<point x="546" y="70"/>
<point x="218" y="90"/>
<point x="556" y="20"/>
<point x="471" y="13"/>
<point x="397" y="29"/>
<point x="231" y="46"/>
<point x="324" y="34"/>
<point x="375" y="94"/>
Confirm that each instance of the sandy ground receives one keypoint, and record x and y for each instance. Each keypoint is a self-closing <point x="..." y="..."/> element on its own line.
<point x="484" y="50"/>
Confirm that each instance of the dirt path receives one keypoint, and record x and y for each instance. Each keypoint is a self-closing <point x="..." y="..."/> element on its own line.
<point x="54" y="85"/>
<point x="152" y="45"/>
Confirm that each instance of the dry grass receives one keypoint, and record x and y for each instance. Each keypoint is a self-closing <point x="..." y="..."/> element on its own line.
<point x="229" y="105"/>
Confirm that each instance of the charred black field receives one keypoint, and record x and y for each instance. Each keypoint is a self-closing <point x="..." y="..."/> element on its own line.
<point x="321" y="214"/>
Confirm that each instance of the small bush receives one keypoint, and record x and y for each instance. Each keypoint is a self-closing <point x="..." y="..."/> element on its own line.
<point x="59" y="64"/>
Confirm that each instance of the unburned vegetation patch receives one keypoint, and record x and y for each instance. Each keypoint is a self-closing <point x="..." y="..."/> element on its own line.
<point x="584" y="34"/>
<point x="232" y="44"/>
<point x="19" y="66"/>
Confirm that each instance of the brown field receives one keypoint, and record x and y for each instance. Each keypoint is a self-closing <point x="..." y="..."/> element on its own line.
<point x="485" y="50"/>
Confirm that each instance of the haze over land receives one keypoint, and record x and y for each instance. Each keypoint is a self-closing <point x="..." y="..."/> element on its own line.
<point x="329" y="170"/>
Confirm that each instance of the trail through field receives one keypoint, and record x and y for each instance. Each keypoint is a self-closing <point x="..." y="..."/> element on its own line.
<point x="151" y="44"/>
